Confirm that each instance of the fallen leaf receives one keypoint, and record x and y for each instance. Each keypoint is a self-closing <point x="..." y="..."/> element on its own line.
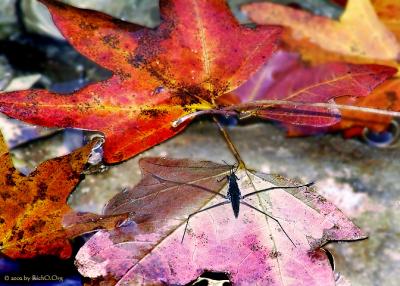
<point x="284" y="77"/>
<point x="256" y="87"/>
<point x="252" y="249"/>
<point x="17" y="132"/>
<point x="358" y="37"/>
<point x="32" y="208"/>
<point x="198" y="53"/>
<point x="389" y="13"/>
<point x="384" y="97"/>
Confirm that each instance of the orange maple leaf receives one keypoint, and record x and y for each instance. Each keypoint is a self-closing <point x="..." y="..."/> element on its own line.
<point x="365" y="33"/>
<point x="33" y="208"/>
<point x="389" y="13"/>
<point x="359" y="36"/>
<point x="384" y="97"/>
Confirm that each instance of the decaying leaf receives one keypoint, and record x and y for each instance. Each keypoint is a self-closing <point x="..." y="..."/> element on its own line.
<point x="359" y="36"/>
<point x="286" y="78"/>
<point x="388" y="12"/>
<point x="252" y="249"/>
<point x="198" y="53"/>
<point x="32" y="208"/>
<point x="385" y="97"/>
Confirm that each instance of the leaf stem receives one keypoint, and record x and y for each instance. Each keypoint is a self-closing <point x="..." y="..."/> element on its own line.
<point x="230" y="144"/>
<point x="242" y="109"/>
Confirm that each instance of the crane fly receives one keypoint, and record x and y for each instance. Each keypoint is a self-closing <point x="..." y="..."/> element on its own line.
<point x="235" y="198"/>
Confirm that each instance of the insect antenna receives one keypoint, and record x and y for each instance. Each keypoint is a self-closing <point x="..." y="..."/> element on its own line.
<point x="232" y="169"/>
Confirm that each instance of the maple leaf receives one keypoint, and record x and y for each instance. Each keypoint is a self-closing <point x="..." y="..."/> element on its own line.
<point x="32" y="208"/>
<point x="258" y="85"/>
<point x="389" y="11"/>
<point x="284" y="77"/>
<point x="384" y="97"/>
<point x="252" y="249"/>
<point x="353" y="123"/>
<point x="358" y="37"/>
<point x="284" y="71"/>
<point x="198" y="53"/>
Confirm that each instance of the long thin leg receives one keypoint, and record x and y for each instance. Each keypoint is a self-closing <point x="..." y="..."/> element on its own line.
<point x="274" y="188"/>
<point x="224" y="178"/>
<point x="271" y="217"/>
<point x="206" y="209"/>
<point x="192" y="185"/>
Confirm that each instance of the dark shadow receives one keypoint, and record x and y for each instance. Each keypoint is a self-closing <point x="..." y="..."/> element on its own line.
<point x="216" y="276"/>
<point x="42" y="271"/>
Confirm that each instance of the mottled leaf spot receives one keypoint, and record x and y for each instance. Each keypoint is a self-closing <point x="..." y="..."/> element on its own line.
<point x="111" y="40"/>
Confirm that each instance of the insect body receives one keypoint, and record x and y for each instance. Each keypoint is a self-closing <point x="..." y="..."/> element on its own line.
<point x="234" y="195"/>
<point x="235" y="198"/>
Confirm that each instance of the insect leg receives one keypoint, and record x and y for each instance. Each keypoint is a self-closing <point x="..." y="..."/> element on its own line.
<point x="275" y="188"/>
<point x="206" y="209"/>
<point x="271" y="217"/>
<point x="192" y="185"/>
<point x="224" y="178"/>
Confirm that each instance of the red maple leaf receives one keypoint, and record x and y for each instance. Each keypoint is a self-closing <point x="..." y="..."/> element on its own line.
<point x="198" y="53"/>
<point x="286" y="78"/>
